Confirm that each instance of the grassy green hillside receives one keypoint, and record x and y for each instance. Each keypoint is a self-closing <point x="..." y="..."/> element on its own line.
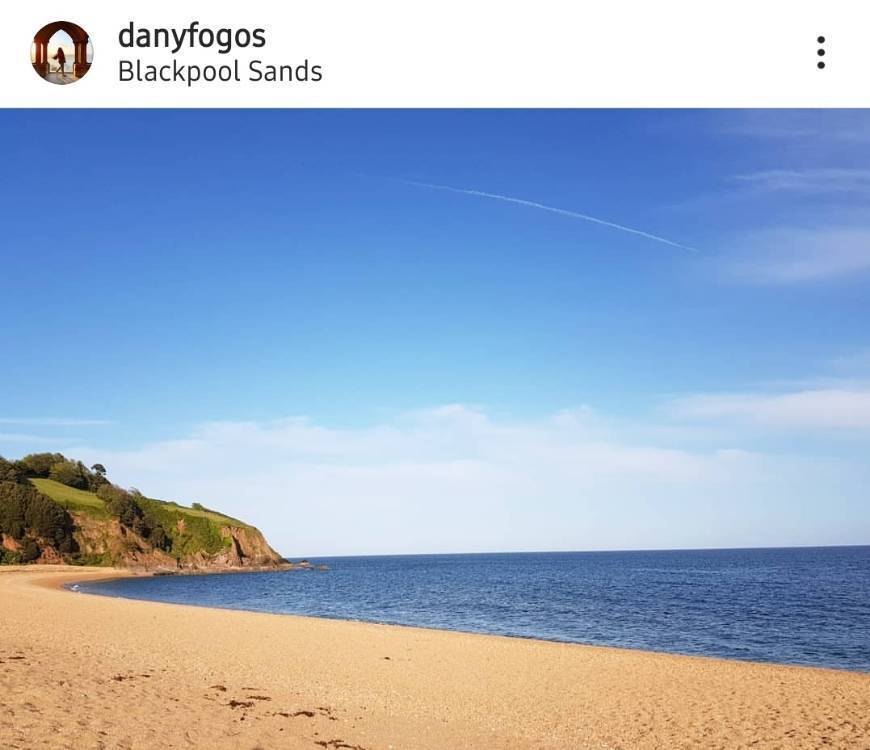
<point x="71" y="498"/>
<point x="190" y="529"/>
<point x="88" y="502"/>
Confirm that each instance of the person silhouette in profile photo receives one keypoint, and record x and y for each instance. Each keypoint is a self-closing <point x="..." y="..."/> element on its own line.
<point x="61" y="61"/>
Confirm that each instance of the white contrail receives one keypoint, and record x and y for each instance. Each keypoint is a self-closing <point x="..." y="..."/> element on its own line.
<point x="552" y="209"/>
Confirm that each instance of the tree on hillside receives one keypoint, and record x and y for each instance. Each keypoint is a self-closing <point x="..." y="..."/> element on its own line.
<point x="11" y="471"/>
<point x="49" y="521"/>
<point x="39" y="464"/>
<point x="70" y="474"/>
<point x="126" y="506"/>
<point x="12" y="506"/>
<point x="25" y="511"/>
<point x="30" y="551"/>
<point x="160" y="539"/>
<point x="120" y="503"/>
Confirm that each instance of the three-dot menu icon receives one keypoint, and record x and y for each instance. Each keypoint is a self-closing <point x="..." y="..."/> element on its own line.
<point x="821" y="52"/>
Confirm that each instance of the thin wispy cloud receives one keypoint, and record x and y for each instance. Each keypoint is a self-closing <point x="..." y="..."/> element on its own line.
<point x="794" y="256"/>
<point x="818" y="127"/>
<point x="19" y="438"/>
<point x="829" y="408"/>
<point x="554" y="210"/>
<point x="808" y="181"/>
<point x="54" y="422"/>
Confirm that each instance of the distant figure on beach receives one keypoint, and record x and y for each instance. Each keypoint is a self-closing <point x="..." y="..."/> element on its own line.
<point x="61" y="61"/>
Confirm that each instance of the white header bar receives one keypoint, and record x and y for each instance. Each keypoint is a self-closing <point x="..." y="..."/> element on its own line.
<point x="453" y="53"/>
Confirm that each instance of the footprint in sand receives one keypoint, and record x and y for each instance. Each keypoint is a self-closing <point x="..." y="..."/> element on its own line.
<point x="327" y="712"/>
<point x="307" y="714"/>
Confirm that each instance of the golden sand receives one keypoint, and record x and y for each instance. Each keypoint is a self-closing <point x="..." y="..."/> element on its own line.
<point x="80" y="671"/>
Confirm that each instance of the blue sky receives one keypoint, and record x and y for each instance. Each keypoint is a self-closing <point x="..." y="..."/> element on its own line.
<point x="262" y="311"/>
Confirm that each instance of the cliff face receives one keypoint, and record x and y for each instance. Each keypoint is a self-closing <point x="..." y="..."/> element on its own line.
<point x="247" y="548"/>
<point x="108" y="542"/>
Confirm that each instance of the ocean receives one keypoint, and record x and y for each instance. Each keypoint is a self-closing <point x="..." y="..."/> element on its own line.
<point x="806" y="606"/>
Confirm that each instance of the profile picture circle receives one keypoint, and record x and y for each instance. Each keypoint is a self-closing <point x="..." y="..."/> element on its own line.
<point x="61" y="52"/>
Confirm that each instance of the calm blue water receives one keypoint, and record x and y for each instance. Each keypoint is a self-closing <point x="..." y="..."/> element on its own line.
<point x="800" y="606"/>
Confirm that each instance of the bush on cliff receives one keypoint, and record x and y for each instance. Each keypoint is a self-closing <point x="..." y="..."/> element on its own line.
<point x="26" y="512"/>
<point x="120" y="503"/>
<point x="39" y="464"/>
<point x="69" y="473"/>
<point x="128" y="509"/>
<point x="30" y="551"/>
<point x="11" y="471"/>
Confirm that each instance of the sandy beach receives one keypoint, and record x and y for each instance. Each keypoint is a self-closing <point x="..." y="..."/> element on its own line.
<point x="82" y="671"/>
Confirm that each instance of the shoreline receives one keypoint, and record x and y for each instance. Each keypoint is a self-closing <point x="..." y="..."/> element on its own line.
<point x="123" y="573"/>
<point x="234" y="678"/>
